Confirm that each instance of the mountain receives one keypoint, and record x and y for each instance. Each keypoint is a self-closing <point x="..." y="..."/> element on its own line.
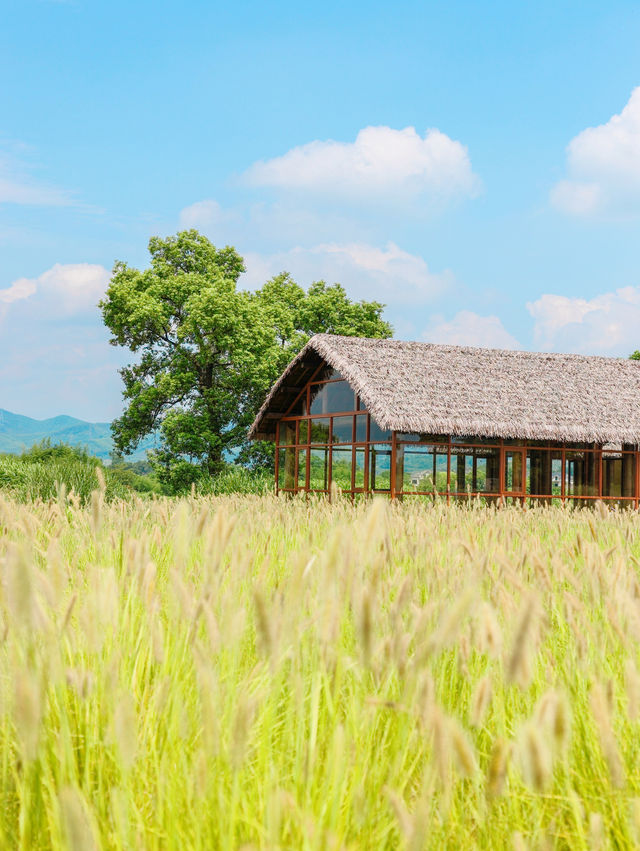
<point x="18" y="433"/>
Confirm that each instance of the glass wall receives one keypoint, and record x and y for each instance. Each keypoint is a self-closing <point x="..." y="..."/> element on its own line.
<point x="327" y="436"/>
<point x="336" y="441"/>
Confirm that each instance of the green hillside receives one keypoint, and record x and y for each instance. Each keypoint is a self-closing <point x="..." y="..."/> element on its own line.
<point x="18" y="433"/>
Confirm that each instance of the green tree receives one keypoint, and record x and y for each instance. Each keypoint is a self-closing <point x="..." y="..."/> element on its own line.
<point x="635" y="355"/>
<point x="208" y="351"/>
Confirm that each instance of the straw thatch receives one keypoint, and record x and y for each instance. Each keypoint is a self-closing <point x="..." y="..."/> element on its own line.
<point x="458" y="390"/>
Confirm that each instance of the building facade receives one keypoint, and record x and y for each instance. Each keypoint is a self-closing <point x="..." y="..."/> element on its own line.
<point x="417" y="420"/>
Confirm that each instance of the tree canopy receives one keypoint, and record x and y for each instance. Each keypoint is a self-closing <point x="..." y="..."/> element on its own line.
<point x="208" y="351"/>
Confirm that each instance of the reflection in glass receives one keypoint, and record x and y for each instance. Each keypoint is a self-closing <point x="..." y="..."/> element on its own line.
<point x="287" y="433"/>
<point x="342" y="430"/>
<point x="320" y="430"/>
<point x="341" y="461"/>
<point x="581" y="474"/>
<point x="286" y="468"/>
<point x="514" y="471"/>
<point x="421" y="468"/>
<point x="302" y="468"/>
<point x="361" y="428"/>
<point x="380" y="467"/>
<point x="376" y="433"/>
<point x="332" y="398"/>
<point x="319" y="469"/>
<point x="359" y="467"/>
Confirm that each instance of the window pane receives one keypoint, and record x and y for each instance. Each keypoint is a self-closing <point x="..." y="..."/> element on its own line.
<point x="341" y="467"/>
<point x="376" y="433"/>
<point x="333" y="397"/>
<point x="303" y="431"/>
<point x="556" y="474"/>
<point x="422" y="468"/>
<point x="320" y="430"/>
<point x="319" y="469"/>
<point x="380" y="467"/>
<point x="514" y="471"/>
<point x="361" y="428"/>
<point x="286" y="468"/>
<point x="581" y="474"/>
<point x="359" y="468"/>
<point x="611" y="474"/>
<point x="342" y="430"/>
<point x="302" y="468"/>
<point x="545" y="472"/>
<point x="287" y="433"/>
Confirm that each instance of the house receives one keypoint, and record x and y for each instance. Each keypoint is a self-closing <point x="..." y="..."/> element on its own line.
<point x="407" y="419"/>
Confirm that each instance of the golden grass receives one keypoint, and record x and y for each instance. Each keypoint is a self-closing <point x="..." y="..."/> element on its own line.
<point x="262" y="673"/>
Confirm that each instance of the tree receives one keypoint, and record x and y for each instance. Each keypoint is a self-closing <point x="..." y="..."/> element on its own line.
<point x="635" y="355"/>
<point x="207" y="351"/>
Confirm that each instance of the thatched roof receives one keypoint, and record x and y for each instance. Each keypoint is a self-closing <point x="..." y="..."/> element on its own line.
<point x="459" y="390"/>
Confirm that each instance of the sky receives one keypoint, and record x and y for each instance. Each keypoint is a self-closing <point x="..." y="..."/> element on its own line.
<point x="474" y="166"/>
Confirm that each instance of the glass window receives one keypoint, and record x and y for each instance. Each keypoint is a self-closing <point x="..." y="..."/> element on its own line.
<point x="515" y="471"/>
<point x="581" y="474"/>
<point x="287" y="433"/>
<point x="332" y="398"/>
<point x="380" y="467"/>
<point x="376" y="434"/>
<point x="421" y="468"/>
<point x="302" y="468"/>
<point x="320" y="430"/>
<point x="361" y="428"/>
<point x="359" y="468"/>
<point x="303" y="431"/>
<point x="414" y="437"/>
<point x="342" y="430"/>
<point x="286" y="468"/>
<point x="541" y="470"/>
<point x="341" y="462"/>
<point x="611" y="473"/>
<point x="319" y="469"/>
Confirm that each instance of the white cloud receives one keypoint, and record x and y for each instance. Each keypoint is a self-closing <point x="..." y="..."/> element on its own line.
<point x="207" y="215"/>
<point x="65" y="289"/>
<point x="604" y="167"/>
<point x="366" y="271"/>
<point x="20" y="289"/>
<point x="470" y="329"/>
<point x="606" y="324"/>
<point x="381" y="162"/>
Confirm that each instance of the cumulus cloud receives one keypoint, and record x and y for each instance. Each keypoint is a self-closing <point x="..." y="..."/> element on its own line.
<point x="603" y="165"/>
<point x="380" y="162"/>
<point x="366" y="271"/>
<point x="470" y="329"/>
<point x="607" y="324"/>
<point x="65" y="289"/>
<point x="20" y="289"/>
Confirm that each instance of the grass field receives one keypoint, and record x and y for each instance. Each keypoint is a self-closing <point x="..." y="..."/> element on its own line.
<point x="261" y="673"/>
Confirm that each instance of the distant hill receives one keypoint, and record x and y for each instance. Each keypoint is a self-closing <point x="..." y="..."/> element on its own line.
<point x="18" y="433"/>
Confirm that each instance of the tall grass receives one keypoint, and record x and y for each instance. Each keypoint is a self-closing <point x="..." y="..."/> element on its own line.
<point x="260" y="673"/>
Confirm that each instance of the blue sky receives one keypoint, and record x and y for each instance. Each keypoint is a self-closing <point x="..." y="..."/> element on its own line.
<point x="475" y="166"/>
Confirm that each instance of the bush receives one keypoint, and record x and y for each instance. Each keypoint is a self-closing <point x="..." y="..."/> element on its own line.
<point x="237" y="479"/>
<point x="39" y="472"/>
